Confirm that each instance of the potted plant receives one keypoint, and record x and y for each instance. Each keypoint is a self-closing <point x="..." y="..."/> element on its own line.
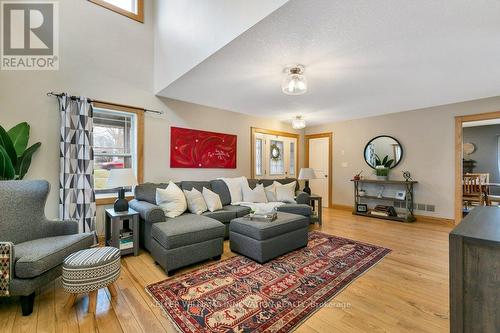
<point x="382" y="167"/>
<point x="15" y="155"/>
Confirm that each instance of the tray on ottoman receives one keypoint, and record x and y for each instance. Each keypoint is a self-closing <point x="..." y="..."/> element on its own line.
<point x="263" y="241"/>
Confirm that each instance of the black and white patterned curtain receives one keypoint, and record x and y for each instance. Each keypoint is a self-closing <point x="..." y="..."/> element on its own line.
<point x="76" y="192"/>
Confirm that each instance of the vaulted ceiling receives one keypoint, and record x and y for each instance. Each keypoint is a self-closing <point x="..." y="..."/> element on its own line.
<point x="362" y="58"/>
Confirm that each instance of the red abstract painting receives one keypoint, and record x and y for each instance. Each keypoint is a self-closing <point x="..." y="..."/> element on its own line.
<point x="201" y="149"/>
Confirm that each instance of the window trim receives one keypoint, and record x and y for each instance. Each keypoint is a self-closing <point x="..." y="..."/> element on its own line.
<point x="140" y="141"/>
<point x="139" y="17"/>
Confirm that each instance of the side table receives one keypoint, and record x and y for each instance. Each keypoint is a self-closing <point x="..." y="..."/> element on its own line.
<point x="316" y="202"/>
<point x="116" y="235"/>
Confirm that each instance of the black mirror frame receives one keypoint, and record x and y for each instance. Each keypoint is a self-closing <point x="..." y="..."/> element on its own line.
<point x="384" y="136"/>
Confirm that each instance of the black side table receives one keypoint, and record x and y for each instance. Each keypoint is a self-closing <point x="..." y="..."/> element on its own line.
<point x="316" y="202"/>
<point x="118" y="235"/>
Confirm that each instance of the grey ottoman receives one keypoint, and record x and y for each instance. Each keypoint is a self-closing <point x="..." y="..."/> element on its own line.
<point x="87" y="271"/>
<point x="185" y="240"/>
<point x="263" y="241"/>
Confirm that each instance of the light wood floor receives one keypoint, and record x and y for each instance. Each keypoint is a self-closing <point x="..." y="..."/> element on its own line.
<point x="406" y="292"/>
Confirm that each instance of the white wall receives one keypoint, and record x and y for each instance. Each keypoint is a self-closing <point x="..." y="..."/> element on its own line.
<point x="182" y="114"/>
<point x="187" y="32"/>
<point x="109" y="57"/>
<point x="427" y="137"/>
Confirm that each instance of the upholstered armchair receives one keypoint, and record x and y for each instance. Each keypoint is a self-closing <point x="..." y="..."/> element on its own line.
<point x="32" y="248"/>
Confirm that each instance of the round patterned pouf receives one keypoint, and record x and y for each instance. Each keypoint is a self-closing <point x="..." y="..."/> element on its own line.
<point x="87" y="271"/>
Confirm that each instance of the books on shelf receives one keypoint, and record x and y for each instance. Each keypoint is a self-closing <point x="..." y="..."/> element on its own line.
<point x="381" y="210"/>
<point x="126" y="239"/>
<point x="376" y="213"/>
<point x="126" y="243"/>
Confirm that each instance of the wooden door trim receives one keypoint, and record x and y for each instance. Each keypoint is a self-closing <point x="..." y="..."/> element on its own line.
<point x="459" y="120"/>
<point x="328" y="135"/>
<point x="255" y="130"/>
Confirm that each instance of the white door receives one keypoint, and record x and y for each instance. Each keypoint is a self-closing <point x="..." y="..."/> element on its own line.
<point x="318" y="160"/>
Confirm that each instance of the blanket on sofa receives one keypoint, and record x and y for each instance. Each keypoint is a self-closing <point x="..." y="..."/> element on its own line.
<point x="261" y="207"/>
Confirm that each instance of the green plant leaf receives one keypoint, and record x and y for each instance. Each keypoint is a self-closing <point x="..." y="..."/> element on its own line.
<point x="384" y="161"/>
<point x="377" y="160"/>
<point x="6" y="168"/>
<point x="25" y="160"/>
<point x="389" y="163"/>
<point x="20" y="134"/>
<point x="6" y="142"/>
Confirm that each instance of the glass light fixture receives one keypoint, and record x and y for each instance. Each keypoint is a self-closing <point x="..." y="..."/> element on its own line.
<point x="295" y="82"/>
<point x="298" y="123"/>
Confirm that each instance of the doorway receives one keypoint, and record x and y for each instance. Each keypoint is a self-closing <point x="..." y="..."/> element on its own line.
<point x="274" y="154"/>
<point x="470" y="177"/>
<point x="319" y="157"/>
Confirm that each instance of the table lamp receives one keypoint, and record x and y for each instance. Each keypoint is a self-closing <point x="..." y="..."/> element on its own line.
<point x="120" y="178"/>
<point x="307" y="174"/>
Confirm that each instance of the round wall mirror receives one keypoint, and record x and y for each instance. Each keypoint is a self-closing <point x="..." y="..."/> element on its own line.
<point x="383" y="150"/>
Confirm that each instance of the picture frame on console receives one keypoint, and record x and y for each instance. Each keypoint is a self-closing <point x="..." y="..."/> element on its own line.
<point x="361" y="208"/>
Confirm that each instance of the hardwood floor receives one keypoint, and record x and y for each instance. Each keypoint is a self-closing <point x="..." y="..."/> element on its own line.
<point x="406" y="292"/>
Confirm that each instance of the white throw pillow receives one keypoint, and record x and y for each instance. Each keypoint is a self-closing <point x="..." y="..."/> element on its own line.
<point x="171" y="200"/>
<point x="270" y="193"/>
<point x="257" y="195"/>
<point x="195" y="202"/>
<point x="234" y="185"/>
<point x="286" y="192"/>
<point x="212" y="200"/>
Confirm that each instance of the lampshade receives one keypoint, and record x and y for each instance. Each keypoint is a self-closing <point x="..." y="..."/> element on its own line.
<point x="295" y="82"/>
<point x="121" y="178"/>
<point x="307" y="173"/>
<point x="298" y="123"/>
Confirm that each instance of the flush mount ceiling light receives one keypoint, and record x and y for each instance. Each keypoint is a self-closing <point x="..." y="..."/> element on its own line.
<point x="295" y="82"/>
<point x="298" y="123"/>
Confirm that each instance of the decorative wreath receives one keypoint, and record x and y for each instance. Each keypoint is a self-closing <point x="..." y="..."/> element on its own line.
<point x="275" y="152"/>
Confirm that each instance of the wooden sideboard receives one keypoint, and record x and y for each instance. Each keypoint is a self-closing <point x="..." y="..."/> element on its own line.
<point x="475" y="272"/>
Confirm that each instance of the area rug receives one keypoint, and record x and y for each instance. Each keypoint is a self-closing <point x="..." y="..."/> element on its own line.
<point x="239" y="295"/>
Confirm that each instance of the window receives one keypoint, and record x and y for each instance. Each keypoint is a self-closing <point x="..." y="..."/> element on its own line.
<point x="130" y="8"/>
<point x="292" y="159"/>
<point x="498" y="154"/>
<point x="258" y="157"/>
<point x="117" y="143"/>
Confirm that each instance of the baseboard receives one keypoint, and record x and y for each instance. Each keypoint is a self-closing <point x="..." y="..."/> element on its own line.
<point x="341" y="207"/>
<point x="434" y="219"/>
<point x="420" y="218"/>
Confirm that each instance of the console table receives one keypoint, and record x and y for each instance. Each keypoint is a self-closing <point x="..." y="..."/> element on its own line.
<point x="406" y="185"/>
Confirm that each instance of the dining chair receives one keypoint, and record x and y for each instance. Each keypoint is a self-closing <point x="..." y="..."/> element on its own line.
<point x="483" y="176"/>
<point x="473" y="189"/>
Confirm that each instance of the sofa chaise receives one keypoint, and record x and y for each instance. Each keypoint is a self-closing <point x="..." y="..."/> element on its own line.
<point x="190" y="238"/>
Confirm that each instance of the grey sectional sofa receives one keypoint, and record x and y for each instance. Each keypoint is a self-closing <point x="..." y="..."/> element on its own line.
<point x="190" y="238"/>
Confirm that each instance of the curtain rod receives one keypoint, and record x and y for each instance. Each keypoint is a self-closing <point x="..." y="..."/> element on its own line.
<point x="97" y="101"/>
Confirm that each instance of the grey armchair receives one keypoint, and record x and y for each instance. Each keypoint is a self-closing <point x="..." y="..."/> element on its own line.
<point x="32" y="248"/>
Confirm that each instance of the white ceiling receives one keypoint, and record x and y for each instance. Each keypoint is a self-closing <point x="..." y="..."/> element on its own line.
<point x="362" y="58"/>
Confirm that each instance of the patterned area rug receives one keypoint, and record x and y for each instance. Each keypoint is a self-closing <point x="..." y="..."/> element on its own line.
<point x="239" y="295"/>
